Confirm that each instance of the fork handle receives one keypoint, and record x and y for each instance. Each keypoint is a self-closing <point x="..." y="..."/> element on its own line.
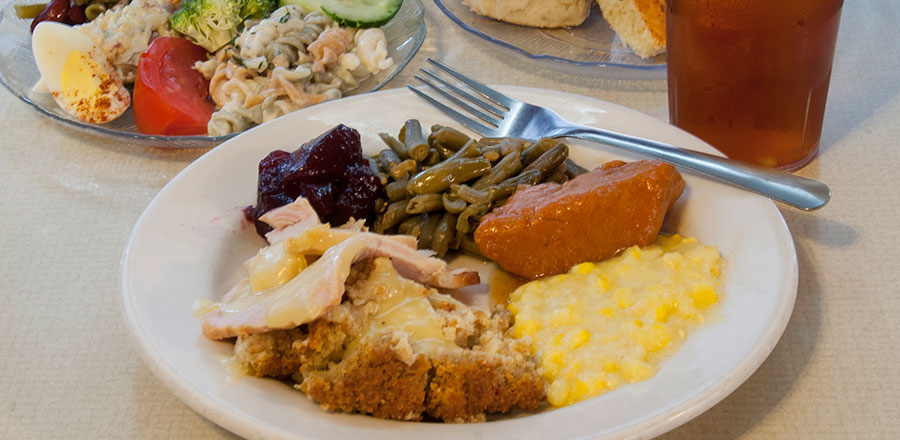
<point x="799" y="192"/>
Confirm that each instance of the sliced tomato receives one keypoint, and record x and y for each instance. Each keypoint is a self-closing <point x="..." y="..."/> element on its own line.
<point x="170" y="97"/>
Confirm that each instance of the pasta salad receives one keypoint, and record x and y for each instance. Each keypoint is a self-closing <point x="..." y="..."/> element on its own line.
<point x="209" y="66"/>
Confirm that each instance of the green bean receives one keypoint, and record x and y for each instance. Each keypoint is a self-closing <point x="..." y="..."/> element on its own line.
<point x="434" y="157"/>
<point x="380" y="205"/>
<point x="453" y="204"/>
<point x="469" y="194"/>
<point x="424" y="203"/>
<point x="508" y="166"/>
<point x="393" y="215"/>
<point x="444" y="233"/>
<point x="558" y="175"/>
<point x="449" y="138"/>
<point x="396" y="190"/>
<point x="373" y="164"/>
<point x="404" y="169"/>
<point x="491" y="153"/>
<point x="407" y="224"/>
<point x="469" y="150"/>
<point x="29" y="11"/>
<point x="94" y="10"/>
<point x="462" y="222"/>
<point x="446" y="173"/>
<point x="394" y="145"/>
<point x="573" y="169"/>
<point x="537" y="149"/>
<point x="382" y="177"/>
<point x="548" y="161"/>
<point x="485" y="141"/>
<point x="388" y="159"/>
<point x="418" y="226"/>
<point x="443" y="151"/>
<point x="511" y="145"/>
<point x="467" y="244"/>
<point x="415" y="144"/>
<point x="509" y="186"/>
<point x="428" y="228"/>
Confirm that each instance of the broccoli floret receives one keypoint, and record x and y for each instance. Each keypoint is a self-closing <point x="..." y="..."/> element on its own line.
<point x="258" y="9"/>
<point x="211" y="23"/>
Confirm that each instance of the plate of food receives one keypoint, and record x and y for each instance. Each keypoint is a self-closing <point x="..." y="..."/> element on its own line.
<point x="204" y="80"/>
<point x="338" y="273"/>
<point x="575" y="34"/>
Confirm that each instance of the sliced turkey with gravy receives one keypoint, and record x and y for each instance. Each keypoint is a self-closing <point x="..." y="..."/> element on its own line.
<point x="320" y="286"/>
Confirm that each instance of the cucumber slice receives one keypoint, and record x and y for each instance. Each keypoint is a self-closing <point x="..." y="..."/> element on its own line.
<point x="307" y="5"/>
<point x="361" y="13"/>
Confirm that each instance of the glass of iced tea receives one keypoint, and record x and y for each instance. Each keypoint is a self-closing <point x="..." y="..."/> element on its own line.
<point x="750" y="77"/>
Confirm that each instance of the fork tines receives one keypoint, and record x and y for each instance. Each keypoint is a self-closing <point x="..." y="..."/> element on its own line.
<point x="495" y="105"/>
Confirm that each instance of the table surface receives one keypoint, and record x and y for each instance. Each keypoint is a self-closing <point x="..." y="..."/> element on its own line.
<point x="68" y="368"/>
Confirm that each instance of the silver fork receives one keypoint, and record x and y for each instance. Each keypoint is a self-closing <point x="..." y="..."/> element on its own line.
<point x="499" y="115"/>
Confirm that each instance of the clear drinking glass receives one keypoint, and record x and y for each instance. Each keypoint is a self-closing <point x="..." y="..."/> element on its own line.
<point x="750" y="77"/>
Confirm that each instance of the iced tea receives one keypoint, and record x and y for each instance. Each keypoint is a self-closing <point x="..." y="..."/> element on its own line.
<point x="750" y="77"/>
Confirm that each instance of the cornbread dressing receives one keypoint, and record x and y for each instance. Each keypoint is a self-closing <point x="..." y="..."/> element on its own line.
<point x="602" y="325"/>
<point x="397" y="349"/>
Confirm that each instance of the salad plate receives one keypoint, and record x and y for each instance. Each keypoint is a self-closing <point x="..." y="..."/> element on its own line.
<point x="18" y="72"/>
<point x="190" y="242"/>
<point x="591" y="48"/>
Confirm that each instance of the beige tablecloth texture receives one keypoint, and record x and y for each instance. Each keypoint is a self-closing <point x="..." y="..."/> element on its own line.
<point x="68" y="202"/>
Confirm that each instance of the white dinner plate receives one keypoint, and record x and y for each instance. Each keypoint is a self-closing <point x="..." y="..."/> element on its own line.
<point x="190" y="242"/>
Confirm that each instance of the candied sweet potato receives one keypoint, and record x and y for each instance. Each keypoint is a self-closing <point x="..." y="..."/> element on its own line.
<point x="548" y="228"/>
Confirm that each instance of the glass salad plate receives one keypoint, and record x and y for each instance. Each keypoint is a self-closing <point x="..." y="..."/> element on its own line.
<point x="191" y="241"/>
<point x="582" y="49"/>
<point x="18" y="72"/>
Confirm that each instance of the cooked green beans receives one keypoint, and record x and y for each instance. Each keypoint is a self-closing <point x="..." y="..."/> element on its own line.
<point x="393" y="215"/>
<point x="558" y="175"/>
<point x="440" y="187"/>
<point x="428" y="228"/>
<point x="462" y="223"/>
<point x="573" y="169"/>
<point x="447" y="137"/>
<point x="388" y="159"/>
<point x="511" y="164"/>
<point x="424" y="203"/>
<point x="395" y="145"/>
<point x="444" y="233"/>
<point x="396" y="190"/>
<point x="444" y="174"/>
<point x="453" y="204"/>
<point x="415" y="144"/>
<point x="537" y="149"/>
<point x="548" y="161"/>
<point x="406" y="225"/>
<point x="434" y="157"/>
<point x="469" y="194"/>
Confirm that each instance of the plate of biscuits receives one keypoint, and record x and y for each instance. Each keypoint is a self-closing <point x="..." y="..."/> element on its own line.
<point x="573" y="33"/>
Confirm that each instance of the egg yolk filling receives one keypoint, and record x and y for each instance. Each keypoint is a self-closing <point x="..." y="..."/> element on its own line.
<point x="86" y="88"/>
<point x="602" y="325"/>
